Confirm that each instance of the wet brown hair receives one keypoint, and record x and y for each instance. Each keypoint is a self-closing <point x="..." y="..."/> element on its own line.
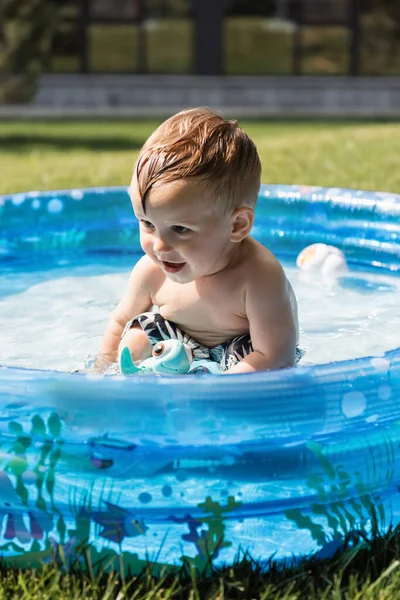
<point x="199" y="143"/>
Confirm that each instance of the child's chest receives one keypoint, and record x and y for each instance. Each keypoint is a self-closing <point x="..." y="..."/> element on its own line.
<point x="203" y="307"/>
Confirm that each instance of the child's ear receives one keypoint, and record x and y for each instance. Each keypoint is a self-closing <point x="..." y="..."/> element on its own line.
<point x="242" y="222"/>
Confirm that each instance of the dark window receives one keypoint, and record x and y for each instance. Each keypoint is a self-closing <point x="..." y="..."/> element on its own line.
<point x="115" y="9"/>
<point x="327" y="12"/>
<point x="266" y="8"/>
<point x="113" y="48"/>
<point x="258" y="37"/>
<point x="140" y="36"/>
<point x="380" y="39"/>
<point x="65" y="47"/>
<point x="324" y="49"/>
<point x="168" y="8"/>
<point x="169" y="36"/>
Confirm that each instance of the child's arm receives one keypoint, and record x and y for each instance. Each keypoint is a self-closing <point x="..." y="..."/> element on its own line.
<point x="136" y="300"/>
<point x="272" y="313"/>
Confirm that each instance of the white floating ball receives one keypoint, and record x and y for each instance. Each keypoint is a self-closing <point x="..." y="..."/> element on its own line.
<point x="326" y="259"/>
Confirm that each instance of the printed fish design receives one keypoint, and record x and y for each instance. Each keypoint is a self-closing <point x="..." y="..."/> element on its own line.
<point x="105" y="444"/>
<point x="12" y="508"/>
<point x="118" y="523"/>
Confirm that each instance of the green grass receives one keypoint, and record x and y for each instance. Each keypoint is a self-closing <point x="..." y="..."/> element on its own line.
<point x="368" y="570"/>
<point x="54" y="155"/>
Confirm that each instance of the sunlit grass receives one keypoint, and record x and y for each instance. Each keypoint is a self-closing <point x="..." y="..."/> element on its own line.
<point x="53" y="155"/>
<point x="367" y="569"/>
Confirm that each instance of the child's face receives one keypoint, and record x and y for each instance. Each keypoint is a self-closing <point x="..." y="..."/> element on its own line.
<point x="180" y="231"/>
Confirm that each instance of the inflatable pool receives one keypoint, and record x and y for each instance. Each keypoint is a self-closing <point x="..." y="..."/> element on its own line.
<point x="197" y="468"/>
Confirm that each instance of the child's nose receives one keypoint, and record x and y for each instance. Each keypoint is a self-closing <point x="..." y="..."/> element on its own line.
<point x="161" y="245"/>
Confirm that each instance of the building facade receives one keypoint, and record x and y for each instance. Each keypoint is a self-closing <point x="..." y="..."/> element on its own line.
<point x="228" y="37"/>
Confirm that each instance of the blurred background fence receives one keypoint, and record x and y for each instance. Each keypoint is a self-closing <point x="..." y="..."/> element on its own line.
<point x="241" y="37"/>
<point x="267" y="38"/>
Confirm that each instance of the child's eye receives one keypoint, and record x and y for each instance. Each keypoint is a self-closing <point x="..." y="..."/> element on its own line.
<point x="147" y="224"/>
<point x="180" y="229"/>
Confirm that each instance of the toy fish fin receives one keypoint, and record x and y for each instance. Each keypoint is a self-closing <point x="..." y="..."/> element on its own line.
<point x="126" y="364"/>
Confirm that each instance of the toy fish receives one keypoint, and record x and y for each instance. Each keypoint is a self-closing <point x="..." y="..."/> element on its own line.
<point x="170" y="357"/>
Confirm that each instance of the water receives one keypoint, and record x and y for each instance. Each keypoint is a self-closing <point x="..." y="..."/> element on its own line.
<point x="54" y="317"/>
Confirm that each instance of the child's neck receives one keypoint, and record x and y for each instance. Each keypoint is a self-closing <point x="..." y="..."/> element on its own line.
<point x="229" y="259"/>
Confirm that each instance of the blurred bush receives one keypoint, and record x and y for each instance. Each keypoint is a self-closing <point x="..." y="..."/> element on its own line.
<point x="380" y="43"/>
<point x="26" y="33"/>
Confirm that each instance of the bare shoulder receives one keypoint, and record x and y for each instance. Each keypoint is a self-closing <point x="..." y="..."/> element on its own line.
<point x="261" y="266"/>
<point x="266" y="279"/>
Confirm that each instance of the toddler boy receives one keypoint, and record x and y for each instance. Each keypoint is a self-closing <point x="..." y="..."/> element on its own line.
<point x="203" y="279"/>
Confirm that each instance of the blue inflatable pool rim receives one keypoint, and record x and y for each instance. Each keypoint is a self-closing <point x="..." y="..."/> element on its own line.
<point x="295" y="455"/>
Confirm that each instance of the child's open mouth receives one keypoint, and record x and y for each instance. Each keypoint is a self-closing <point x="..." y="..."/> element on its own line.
<point x="172" y="267"/>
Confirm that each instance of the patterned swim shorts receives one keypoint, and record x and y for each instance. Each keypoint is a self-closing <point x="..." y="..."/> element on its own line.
<point x="227" y="354"/>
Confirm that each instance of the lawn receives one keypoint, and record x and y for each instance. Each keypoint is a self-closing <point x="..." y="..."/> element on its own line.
<point x="69" y="154"/>
<point x="38" y="155"/>
<point x="370" y="570"/>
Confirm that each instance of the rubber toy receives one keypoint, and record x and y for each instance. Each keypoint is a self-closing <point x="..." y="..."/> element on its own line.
<point x="328" y="260"/>
<point x="170" y="357"/>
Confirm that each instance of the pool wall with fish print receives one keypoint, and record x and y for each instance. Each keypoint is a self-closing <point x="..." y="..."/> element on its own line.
<point x="197" y="469"/>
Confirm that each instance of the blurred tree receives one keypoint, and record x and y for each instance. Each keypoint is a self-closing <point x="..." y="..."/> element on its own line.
<point x="26" y="32"/>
